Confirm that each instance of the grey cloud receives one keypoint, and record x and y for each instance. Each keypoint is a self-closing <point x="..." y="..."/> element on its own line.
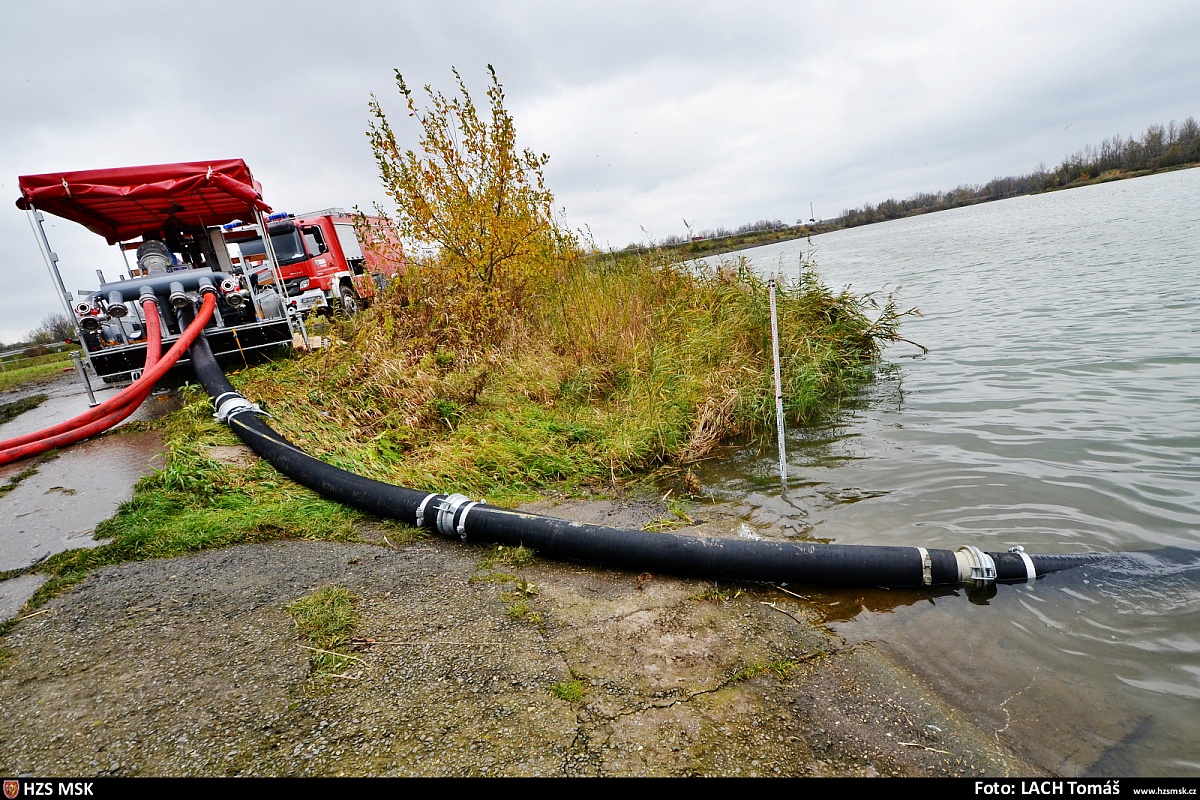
<point x="650" y="111"/>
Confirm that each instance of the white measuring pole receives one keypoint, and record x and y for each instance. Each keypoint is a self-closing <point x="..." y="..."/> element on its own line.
<point x="779" y="422"/>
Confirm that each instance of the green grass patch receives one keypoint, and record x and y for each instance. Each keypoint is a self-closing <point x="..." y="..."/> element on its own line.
<point x="10" y="411"/>
<point x="15" y="480"/>
<point x="522" y="589"/>
<point x="59" y="358"/>
<point x="521" y="611"/>
<point x="516" y="599"/>
<point x="516" y="557"/>
<point x="782" y="670"/>
<point x="325" y="622"/>
<point x="16" y="376"/>
<point x="713" y="593"/>
<point x="571" y="691"/>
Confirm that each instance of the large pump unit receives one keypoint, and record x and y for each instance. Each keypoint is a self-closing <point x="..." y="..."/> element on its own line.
<point x="190" y="226"/>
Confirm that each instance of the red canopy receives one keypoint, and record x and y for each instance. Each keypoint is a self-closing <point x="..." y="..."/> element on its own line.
<point x="122" y="203"/>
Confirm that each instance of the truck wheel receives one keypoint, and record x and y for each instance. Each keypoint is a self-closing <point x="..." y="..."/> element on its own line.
<point x="349" y="301"/>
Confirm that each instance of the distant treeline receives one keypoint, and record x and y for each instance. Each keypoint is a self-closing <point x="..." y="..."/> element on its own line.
<point x="762" y="226"/>
<point x="1159" y="148"/>
<point x="55" y="328"/>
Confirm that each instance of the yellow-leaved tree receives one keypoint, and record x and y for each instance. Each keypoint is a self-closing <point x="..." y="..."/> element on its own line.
<point x="470" y="192"/>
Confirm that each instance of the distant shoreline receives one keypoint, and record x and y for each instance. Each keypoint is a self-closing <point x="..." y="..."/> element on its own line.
<point x="716" y="246"/>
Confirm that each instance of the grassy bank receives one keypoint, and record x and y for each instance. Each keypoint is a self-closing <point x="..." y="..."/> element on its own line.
<point x="610" y="369"/>
<point x="605" y="371"/>
<point x="34" y="363"/>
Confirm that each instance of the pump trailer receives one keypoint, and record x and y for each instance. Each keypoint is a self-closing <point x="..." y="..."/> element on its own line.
<point x="195" y="227"/>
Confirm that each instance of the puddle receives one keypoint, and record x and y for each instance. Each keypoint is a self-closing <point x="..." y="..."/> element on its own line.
<point x="14" y="593"/>
<point x="58" y="507"/>
<point x="66" y="399"/>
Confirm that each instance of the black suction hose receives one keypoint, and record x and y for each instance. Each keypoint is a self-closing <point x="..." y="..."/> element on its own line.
<point x="689" y="556"/>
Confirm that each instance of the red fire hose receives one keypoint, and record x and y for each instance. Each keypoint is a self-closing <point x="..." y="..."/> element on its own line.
<point x="120" y="406"/>
<point x="117" y="401"/>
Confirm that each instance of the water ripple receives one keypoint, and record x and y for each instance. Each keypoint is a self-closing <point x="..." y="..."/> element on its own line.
<point x="1058" y="408"/>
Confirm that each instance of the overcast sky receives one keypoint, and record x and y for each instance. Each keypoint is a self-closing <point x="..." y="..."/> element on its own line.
<point x="652" y="112"/>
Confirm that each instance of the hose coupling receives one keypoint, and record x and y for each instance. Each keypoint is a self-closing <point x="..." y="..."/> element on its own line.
<point x="146" y="293"/>
<point x="975" y="567"/>
<point x="179" y="298"/>
<point x="205" y="286"/>
<point x="447" y="510"/>
<point x="116" y="305"/>
<point x="230" y="404"/>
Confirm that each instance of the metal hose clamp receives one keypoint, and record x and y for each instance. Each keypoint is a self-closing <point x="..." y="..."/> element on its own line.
<point x="1030" y="572"/>
<point x="926" y="567"/>
<point x="421" y="510"/>
<point x="462" y="520"/>
<point x="229" y="404"/>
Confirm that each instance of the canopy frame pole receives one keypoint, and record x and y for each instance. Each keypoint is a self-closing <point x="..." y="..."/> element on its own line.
<point x="280" y="289"/>
<point x="36" y="218"/>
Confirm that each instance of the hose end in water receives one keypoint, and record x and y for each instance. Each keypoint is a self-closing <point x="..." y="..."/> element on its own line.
<point x="975" y="567"/>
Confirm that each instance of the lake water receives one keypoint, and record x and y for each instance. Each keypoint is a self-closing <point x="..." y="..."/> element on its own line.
<point x="1058" y="409"/>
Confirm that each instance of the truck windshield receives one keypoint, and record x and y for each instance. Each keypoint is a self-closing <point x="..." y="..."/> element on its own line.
<point x="289" y="246"/>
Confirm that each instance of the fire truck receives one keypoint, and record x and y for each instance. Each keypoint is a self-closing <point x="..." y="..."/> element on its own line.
<point x="195" y="228"/>
<point x="327" y="259"/>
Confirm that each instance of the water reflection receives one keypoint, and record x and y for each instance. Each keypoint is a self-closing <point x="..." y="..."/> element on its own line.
<point x="844" y="605"/>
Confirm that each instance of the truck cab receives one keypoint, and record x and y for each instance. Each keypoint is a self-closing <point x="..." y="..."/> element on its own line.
<point x="327" y="259"/>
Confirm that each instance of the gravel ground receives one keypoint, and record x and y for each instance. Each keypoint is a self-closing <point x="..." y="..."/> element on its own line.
<point x="192" y="667"/>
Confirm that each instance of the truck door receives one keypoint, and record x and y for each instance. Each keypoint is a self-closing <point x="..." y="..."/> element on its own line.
<point x="352" y="250"/>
